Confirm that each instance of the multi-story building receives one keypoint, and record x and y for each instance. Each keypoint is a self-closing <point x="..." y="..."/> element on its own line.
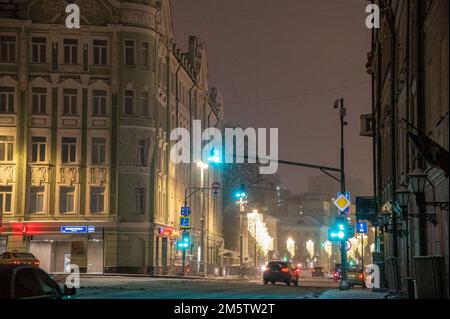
<point x="409" y="68"/>
<point x="85" y="121"/>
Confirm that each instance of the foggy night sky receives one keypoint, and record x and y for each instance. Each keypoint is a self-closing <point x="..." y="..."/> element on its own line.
<point x="271" y="58"/>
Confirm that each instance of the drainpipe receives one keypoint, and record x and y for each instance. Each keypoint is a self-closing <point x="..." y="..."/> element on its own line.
<point x="420" y="112"/>
<point x="407" y="146"/>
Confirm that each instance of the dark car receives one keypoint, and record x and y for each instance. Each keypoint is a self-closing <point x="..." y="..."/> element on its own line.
<point x="355" y="277"/>
<point x="318" y="272"/>
<point x="280" y="271"/>
<point x="28" y="282"/>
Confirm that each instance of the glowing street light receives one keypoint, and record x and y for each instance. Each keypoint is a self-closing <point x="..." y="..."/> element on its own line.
<point x="310" y="248"/>
<point x="290" y="245"/>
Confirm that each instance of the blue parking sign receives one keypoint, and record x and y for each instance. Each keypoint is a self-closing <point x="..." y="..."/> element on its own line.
<point x="185" y="211"/>
<point x="361" y="227"/>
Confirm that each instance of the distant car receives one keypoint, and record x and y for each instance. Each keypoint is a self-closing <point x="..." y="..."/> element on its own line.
<point x="280" y="271"/>
<point x="337" y="274"/>
<point x="318" y="272"/>
<point x="28" y="282"/>
<point x="355" y="277"/>
<point x="19" y="258"/>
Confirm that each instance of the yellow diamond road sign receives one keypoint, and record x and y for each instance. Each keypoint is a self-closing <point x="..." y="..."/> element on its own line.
<point x="341" y="203"/>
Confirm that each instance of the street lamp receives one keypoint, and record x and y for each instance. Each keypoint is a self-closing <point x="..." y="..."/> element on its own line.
<point x="385" y="219"/>
<point x="403" y="199"/>
<point x="202" y="167"/>
<point x="417" y="178"/>
<point x="290" y="245"/>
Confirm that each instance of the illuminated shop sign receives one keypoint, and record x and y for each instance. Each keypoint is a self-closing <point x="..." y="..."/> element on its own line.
<point x="169" y="232"/>
<point x="77" y="229"/>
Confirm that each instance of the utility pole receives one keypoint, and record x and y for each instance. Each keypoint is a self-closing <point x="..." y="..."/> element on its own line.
<point x="340" y="104"/>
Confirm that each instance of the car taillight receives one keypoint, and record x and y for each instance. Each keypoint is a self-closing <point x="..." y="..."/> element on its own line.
<point x="285" y="269"/>
<point x="36" y="262"/>
<point x="335" y="274"/>
<point x="16" y="262"/>
<point x="361" y="276"/>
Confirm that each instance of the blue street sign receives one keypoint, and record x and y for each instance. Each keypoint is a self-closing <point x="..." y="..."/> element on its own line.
<point x="361" y="227"/>
<point x="185" y="211"/>
<point x="74" y="229"/>
<point x="185" y="222"/>
<point x="77" y="229"/>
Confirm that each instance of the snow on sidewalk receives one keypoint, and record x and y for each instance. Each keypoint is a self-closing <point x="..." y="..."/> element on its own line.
<point x="353" y="294"/>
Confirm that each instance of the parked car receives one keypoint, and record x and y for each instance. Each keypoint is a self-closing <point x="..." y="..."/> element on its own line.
<point x="280" y="271"/>
<point x="28" y="282"/>
<point x="19" y="258"/>
<point x="318" y="272"/>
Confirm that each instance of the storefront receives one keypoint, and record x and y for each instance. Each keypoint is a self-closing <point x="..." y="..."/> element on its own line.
<point x="165" y="249"/>
<point x="58" y="246"/>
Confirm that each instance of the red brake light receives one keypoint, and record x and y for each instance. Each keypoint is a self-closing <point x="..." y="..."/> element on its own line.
<point x="361" y="276"/>
<point x="285" y="269"/>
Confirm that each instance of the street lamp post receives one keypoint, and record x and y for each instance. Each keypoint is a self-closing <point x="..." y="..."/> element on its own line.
<point x="344" y="285"/>
<point x="417" y="180"/>
<point x="202" y="167"/>
<point x="403" y="200"/>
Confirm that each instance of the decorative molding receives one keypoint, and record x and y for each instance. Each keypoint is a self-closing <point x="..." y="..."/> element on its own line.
<point x="70" y="175"/>
<point x="6" y="174"/>
<point x="137" y="18"/>
<point x="98" y="175"/>
<point x="39" y="175"/>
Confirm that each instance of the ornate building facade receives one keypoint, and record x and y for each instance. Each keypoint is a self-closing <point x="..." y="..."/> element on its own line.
<point x="85" y="119"/>
<point x="409" y="68"/>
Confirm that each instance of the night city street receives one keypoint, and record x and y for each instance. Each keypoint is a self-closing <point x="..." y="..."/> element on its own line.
<point x="224" y="158"/>
<point x="157" y="288"/>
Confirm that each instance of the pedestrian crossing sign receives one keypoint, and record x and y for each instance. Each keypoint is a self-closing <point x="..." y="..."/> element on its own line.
<point x="185" y="222"/>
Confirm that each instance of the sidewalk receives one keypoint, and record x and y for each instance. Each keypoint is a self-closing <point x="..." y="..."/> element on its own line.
<point x="353" y="294"/>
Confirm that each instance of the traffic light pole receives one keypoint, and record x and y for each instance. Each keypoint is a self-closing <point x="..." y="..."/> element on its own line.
<point x="184" y="261"/>
<point x="344" y="283"/>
